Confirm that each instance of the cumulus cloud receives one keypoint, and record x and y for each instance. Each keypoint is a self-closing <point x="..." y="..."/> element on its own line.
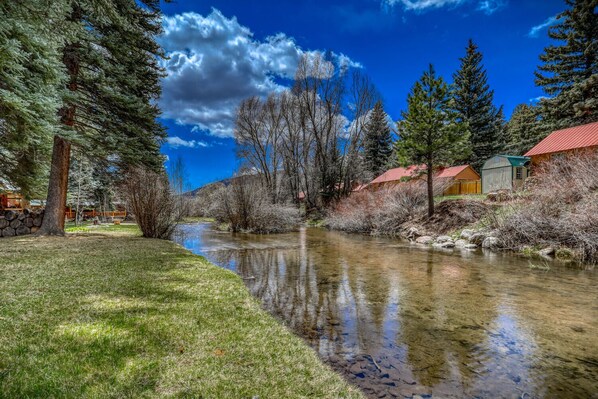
<point x="176" y="142"/>
<point x="215" y="62"/>
<point x="486" y="6"/>
<point x="535" y="30"/>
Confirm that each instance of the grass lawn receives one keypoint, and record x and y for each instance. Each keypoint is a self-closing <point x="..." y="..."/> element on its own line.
<point x="107" y="313"/>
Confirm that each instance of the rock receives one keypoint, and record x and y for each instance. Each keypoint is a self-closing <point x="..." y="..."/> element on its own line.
<point x="3" y="222"/>
<point x="412" y="233"/>
<point x="446" y="244"/>
<point x="477" y="238"/>
<point x="10" y="215"/>
<point x="21" y="216"/>
<point x="444" y="239"/>
<point x="22" y="230"/>
<point x="490" y="243"/>
<point x="549" y="251"/>
<point x="28" y="222"/>
<point x="470" y="246"/>
<point x="15" y="223"/>
<point x="37" y="221"/>
<point x="461" y="243"/>
<point x="8" y="232"/>
<point x="466" y="234"/>
<point x="34" y="229"/>
<point x="425" y="240"/>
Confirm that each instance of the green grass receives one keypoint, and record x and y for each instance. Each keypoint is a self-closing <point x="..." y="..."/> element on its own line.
<point x="109" y="314"/>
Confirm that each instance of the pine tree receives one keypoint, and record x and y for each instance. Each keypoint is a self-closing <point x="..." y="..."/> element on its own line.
<point x="30" y="77"/>
<point x="430" y="132"/>
<point x="111" y="58"/>
<point x="474" y="103"/>
<point x="522" y="129"/>
<point x="377" y="142"/>
<point x="569" y="70"/>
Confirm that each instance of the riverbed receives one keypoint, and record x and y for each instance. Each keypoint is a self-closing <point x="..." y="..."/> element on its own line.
<point x="400" y="320"/>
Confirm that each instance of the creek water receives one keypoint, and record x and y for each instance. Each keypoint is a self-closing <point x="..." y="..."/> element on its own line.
<point x="400" y="320"/>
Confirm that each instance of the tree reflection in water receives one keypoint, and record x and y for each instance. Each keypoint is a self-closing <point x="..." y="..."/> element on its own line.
<point x="401" y="320"/>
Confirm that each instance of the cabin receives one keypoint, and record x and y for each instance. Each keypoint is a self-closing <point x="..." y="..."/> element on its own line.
<point x="505" y="172"/>
<point x="566" y="142"/>
<point x="462" y="179"/>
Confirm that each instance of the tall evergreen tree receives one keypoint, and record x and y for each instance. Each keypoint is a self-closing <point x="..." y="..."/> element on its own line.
<point x="377" y="142"/>
<point x="111" y="58"/>
<point x="522" y="130"/>
<point x="430" y="132"/>
<point x="474" y="103"/>
<point x="30" y="77"/>
<point x="569" y="70"/>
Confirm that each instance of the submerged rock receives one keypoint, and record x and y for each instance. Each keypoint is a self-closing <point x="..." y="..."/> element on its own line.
<point x="445" y="244"/>
<point x="425" y="240"/>
<point x="549" y="251"/>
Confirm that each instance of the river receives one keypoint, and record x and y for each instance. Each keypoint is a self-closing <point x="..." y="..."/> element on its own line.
<point x="400" y="320"/>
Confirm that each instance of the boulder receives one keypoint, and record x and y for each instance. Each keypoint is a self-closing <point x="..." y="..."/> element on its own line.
<point x="548" y="251"/>
<point x="412" y="233"/>
<point x="461" y="243"/>
<point x="28" y="222"/>
<point x="22" y="230"/>
<point x="10" y="215"/>
<point x="15" y="223"/>
<point x="8" y="232"/>
<point x="3" y="222"/>
<point x="477" y="238"/>
<point x="490" y="243"/>
<point x="444" y="239"/>
<point x="445" y="244"/>
<point x="425" y="240"/>
<point x="466" y="234"/>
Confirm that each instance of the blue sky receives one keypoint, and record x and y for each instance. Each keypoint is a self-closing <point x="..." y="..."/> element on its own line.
<point x="224" y="51"/>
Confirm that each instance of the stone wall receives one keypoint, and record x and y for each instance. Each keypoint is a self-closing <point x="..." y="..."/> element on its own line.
<point x="17" y="223"/>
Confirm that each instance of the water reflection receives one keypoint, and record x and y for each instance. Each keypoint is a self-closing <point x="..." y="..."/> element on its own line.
<point x="399" y="320"/>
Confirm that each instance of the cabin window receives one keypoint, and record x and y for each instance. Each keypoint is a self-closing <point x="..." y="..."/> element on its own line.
<point x="518" y="173"/>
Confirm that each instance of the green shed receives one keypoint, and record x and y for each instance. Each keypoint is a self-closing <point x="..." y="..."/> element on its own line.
<point x="504" y="172"/>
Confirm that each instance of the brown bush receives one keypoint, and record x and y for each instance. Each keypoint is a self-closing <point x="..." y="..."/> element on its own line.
<point x="156" y="207"/>
<point x="561" y="209"/>
<point x="379" y="212"/>
<point x="246" y="206"/>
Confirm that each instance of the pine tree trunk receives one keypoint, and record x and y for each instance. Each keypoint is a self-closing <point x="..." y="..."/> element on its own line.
<point x="53" y="223"/>
<point x="430" y="191"/>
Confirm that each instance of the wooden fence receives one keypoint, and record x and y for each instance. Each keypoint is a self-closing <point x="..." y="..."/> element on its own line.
<point x="70" y="214"/>
<point x="464" y="187"/>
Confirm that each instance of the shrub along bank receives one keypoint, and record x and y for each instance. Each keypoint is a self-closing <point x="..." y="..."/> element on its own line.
<point x="111" y="314"/>
<point x="556" y="215"/>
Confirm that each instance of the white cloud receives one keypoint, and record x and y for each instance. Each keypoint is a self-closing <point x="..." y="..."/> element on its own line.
<point x="215" y="62"/>
<point x="176" y="142"/>
<point x="533" y="32"/>
<point x="486" y="6"/>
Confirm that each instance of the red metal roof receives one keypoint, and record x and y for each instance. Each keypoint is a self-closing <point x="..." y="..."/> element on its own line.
<point x="413" y="170"/>
<point x="567" y="139"/>
<point x="398" y="174"/>
<point x="452" y="171"/>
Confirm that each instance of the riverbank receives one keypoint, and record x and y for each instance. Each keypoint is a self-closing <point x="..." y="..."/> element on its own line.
<point x="106" y="313"/>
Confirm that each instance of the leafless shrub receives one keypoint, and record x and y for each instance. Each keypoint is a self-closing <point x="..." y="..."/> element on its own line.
<point x="156" y="207"/>
<point x="379" y="212"/>
<point x="247" y="206"/>
<point x="561" y="209"/>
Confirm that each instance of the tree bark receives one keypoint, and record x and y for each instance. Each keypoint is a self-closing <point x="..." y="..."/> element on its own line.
<point x="53" y="223"/>
<point x="430" y="190"/>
